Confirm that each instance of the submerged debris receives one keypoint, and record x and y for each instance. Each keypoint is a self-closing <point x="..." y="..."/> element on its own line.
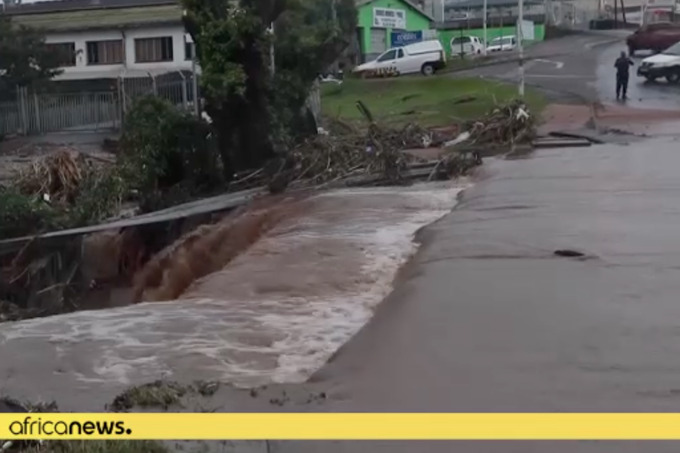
<point x="457" y="163"/>
<point x="206" y="388"/>
<point x="161" y="394"/>
<point x="10" y="405"/>
<point x="569" y="253"/>
<point x="156" y="394"/>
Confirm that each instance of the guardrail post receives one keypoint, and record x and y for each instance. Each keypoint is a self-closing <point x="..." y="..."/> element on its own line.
<point x="36" y="103"/>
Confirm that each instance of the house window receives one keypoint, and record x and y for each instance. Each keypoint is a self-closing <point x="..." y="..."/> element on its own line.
<point x="152" y="50"/>
<point x="105" y="52"/>
<point x="188" y="49"/>
<point x="66" y="52"/>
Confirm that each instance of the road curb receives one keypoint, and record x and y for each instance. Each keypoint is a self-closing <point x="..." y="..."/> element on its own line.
<point x="605" y="43"/>
<point x="503" y="61"/>
<point x="482" y="65"/>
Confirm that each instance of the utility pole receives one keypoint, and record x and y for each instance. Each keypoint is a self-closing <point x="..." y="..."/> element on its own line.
<point x="334" y="17"/>
<point x="194" y="82"/>
<point x="271" y="49"/>
<point x="623" y="13"/>
<point x="520" y="20"/>
<point x="485" y="37"/>
<point x="616" y="14"/>
<point x="443" y="2"/>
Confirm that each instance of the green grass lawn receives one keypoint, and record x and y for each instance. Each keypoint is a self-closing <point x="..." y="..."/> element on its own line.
<point x="428" y="101"/>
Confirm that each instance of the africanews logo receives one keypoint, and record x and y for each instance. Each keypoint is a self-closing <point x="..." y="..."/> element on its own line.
<point x="37" y="427"/>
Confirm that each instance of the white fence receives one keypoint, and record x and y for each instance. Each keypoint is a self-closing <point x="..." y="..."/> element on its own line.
<point x="179" y="88"/>
<point x="314" y="102"/>
<point x="37" y="113"/>
<point x="28" y="112"/>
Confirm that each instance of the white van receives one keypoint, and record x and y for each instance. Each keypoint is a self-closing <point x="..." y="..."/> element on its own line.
<point x="502" y="43"/>
<point x="425" y="57"/>
<point x="470" y="45"/>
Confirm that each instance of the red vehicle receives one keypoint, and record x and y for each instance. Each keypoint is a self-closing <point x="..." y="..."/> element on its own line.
<point x="655" y="37"/>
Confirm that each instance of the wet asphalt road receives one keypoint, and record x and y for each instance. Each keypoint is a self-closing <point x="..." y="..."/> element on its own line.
<point x="642" y="94"/>
<point x="581" y="68"/>
<point x="487" y="319"/>
<point x="564" y="68"/>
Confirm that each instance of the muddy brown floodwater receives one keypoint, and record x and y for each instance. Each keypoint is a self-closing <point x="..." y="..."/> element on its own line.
<point x="275" y="313"/>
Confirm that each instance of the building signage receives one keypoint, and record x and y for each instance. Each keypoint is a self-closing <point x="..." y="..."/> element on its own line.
<point x="661" y="4"/>
<point x="429" y="35"/>
<point x="404" y="38"/>
<point x="389" y="18"/>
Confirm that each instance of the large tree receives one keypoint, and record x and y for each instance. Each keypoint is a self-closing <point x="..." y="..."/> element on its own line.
<point x="231" y="43"/>
<point x="243" y="98"/>
<point x="24" y="58"/>
<point x="310" y="36"/>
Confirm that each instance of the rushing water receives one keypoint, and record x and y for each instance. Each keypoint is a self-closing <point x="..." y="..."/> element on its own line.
<point x="274" y="314"/>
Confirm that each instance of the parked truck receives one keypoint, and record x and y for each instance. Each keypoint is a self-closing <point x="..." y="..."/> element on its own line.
<point x="655" y="37"/>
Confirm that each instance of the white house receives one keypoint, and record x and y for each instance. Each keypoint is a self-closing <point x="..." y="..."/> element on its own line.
<point x="102" y="39"/>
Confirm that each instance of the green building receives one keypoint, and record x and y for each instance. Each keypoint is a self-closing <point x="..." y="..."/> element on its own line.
<point x="379" y="18"/>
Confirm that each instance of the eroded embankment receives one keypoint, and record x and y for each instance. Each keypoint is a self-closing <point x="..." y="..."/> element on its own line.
<point x="209" y="248"/>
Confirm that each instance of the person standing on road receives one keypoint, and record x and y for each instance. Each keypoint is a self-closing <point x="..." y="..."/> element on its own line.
<point x="622" y="65"/>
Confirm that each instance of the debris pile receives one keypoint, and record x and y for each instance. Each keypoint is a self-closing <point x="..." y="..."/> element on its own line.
<point x="507" y="124"/>
<point x="56" y="176"/>
<point x="59" y="176"/>
<point x="39" y="279"/>
<point x="345" y="156"/>
<point x="325" y="159"/>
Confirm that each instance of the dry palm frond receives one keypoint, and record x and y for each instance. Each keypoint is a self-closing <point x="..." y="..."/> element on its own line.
<point x="58" y="176"/>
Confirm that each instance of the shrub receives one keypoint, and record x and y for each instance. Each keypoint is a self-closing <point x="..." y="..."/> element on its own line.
<point x="163" y="147"/>
<point x="22" y="215"/>
<point x="100" y="195"/>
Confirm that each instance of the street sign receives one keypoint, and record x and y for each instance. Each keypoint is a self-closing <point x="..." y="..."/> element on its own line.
<point x="404" y="38"/>
<point x="526" y="28"/>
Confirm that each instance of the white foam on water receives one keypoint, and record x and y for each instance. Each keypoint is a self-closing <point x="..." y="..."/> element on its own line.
<point x="274" y="314"/>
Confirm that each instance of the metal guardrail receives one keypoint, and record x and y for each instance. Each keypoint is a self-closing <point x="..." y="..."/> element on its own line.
<point x="203" y="206"/>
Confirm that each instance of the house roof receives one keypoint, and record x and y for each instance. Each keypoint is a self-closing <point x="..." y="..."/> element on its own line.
<point x="74" y="5"/>
<point x="82" y="15"/>
<point x="410" y="3"/>
<point x="491" y="3"/>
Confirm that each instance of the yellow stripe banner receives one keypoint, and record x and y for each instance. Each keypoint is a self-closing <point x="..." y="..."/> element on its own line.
<point x="354" y="426"/>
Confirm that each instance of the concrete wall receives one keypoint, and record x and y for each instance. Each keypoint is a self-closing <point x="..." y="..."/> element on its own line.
<point x="84" y="71"/>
